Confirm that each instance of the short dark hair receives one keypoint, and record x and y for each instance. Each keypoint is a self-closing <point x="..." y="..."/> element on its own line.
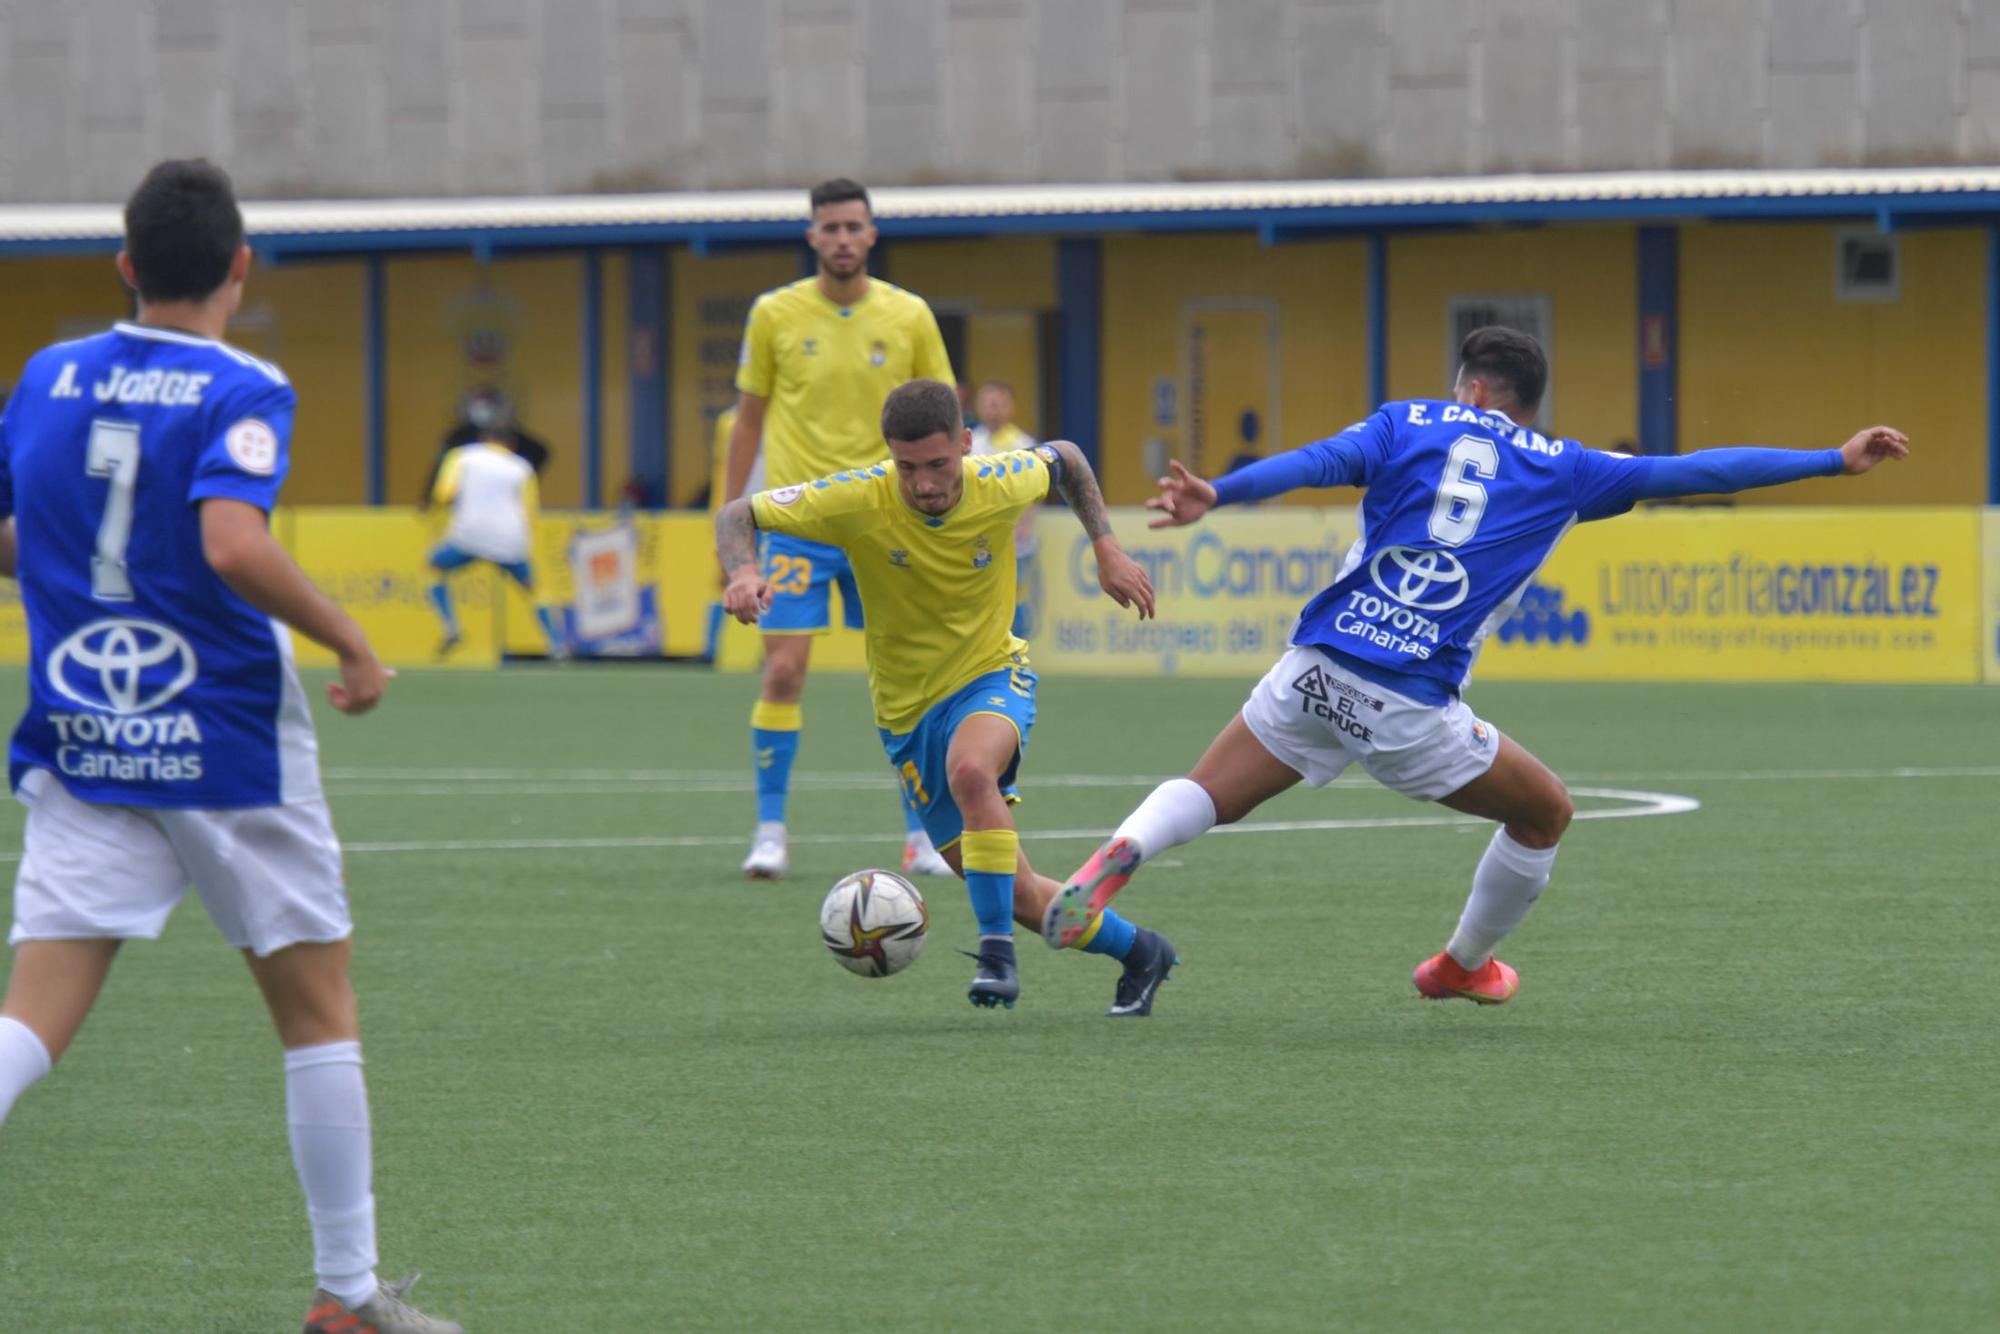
<point x="1510" y="358"/>
<point x="182" y="230"/>
<point x="838" y="191"/>
<point x="919" y="410"/>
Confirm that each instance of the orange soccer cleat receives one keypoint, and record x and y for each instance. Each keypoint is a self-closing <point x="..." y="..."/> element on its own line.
<point x="1440" y="977"/>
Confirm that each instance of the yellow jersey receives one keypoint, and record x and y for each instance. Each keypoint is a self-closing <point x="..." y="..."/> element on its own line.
<point x="939" y="591"/>
<point x="826" y="368"/>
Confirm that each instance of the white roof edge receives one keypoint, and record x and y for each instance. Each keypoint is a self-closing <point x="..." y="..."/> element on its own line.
<point x="723" y="208"/>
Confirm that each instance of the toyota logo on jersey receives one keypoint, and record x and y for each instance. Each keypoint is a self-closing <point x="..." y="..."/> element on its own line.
<point x="123" y="666"/>
<point x="1426" y="580"/>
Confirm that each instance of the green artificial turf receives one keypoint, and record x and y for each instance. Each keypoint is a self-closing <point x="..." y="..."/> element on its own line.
<point x="1748" y="1083"/>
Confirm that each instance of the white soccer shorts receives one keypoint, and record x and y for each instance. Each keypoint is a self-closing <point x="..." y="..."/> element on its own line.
<point x="1318" y="719"/>
<point x="270" y="876"/>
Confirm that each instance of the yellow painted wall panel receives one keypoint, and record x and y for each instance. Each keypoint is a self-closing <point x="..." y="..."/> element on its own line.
<point x="1770" y="356"/>
<point x="1159" y="290"/>
<point x="1590" y="275"/>
<point x="711" y="299"/>
<point x="454" y="323"/>
<point x="308" y="318"/>
<point x="48" y="300"/>
<point x="993" y="273"/>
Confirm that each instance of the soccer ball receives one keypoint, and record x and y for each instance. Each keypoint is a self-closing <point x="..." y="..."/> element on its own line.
<point x="874" y="923"/>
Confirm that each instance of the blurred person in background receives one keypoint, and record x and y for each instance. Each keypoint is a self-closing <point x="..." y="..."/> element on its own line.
<point x="485" y="413"/>
<point x="996" y="433"/>
<point x="820" y="357"/>
<point x="494" y="499"/>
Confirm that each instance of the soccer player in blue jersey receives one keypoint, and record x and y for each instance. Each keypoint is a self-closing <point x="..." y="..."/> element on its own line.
<point x="167" y="739"/>
<point x="1464" y="502"/>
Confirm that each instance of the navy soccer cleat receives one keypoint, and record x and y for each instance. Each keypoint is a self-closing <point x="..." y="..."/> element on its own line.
<point x="996" y="981"/>
<point x="1151" y="962"/>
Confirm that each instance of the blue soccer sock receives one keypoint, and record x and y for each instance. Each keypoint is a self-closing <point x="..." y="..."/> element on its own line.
<point x="440" y="595"/>
<point x="547" y="616"/>
<point x="986" y="852"/>
<point x="774" y="738"/>
<point x="1113" y="935"/>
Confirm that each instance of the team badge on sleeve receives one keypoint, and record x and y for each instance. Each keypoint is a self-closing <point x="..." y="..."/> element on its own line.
<point x="787" y="495"/>
<point x="1048" y="454"/>
<point x="254" y="446"/>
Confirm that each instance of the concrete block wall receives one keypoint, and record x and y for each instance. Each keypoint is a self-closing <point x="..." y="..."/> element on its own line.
<point x="389" y="97"/>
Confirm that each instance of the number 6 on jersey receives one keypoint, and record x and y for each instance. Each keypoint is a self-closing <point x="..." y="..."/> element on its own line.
<point x="1461" y="501"/>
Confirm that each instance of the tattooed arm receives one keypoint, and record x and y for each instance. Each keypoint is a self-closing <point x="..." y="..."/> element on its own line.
<point x="746" y="593"/>
<point x="1117" y="573"/>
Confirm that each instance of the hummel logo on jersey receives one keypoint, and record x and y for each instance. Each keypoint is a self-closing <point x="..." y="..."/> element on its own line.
<point x="810" y="347"/>
<point x="900" y="558"/>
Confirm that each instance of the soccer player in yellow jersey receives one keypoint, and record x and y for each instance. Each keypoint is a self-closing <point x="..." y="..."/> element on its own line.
<point x="819" y="356"/>
<point x="929" y="535"/>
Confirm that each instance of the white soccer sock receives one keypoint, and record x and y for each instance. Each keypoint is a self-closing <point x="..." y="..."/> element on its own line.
<point x="23" y="1060"/>
<point x="1507" y="883"/>
<point x="1178" y="811"/>
<point x="326" y="1109"/>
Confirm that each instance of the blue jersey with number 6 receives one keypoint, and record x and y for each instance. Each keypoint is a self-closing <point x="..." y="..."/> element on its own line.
<point x="151" y="682"/>
<point x="1462" y="508"/>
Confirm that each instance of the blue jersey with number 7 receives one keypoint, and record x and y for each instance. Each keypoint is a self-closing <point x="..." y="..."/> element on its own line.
<point x="1462" y="507"/>
<point x="151" y="683"/>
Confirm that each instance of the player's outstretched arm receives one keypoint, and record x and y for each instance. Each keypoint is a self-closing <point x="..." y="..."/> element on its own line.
<point x="1117" y="573"/>
<point x="1339" y="460"/>
<point x="1610" y="484"/>
<point x="237" y="543"/>
<point x="745" y="592"/>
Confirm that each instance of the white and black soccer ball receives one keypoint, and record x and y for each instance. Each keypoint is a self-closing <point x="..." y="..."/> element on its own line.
<point x="874" y="922"/>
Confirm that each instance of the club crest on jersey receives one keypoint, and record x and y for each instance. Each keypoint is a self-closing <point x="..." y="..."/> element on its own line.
<point x="878" y="353"/>
<point x="1425" y="580"/>
<point x="254" y="446"/>
<point x="982" y="552"/>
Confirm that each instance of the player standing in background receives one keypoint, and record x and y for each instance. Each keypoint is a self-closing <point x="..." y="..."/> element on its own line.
<point x="819" y="357"/>
<point x="1465" y="501"/>
<point x="167" y="738"/>
<point x="493" y="497"/>
<point x="927" y="533"/>
<point x="997" y="434"/>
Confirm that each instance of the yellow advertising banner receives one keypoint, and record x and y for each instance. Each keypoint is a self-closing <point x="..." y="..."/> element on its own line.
<point x="1228" y="591"/>
<point x="1751" y="595"/>
<point x="1989" y="632"/>
<point x="1663" y="595"/>
<point x="373" y="562"/>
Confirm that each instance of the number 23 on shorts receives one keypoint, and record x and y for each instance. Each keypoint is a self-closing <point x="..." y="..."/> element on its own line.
<point x="791" y="574"/>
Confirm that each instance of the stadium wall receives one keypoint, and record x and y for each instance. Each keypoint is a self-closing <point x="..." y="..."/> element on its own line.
<point x="308" y="98"/>
<point x="1213" y="345"/>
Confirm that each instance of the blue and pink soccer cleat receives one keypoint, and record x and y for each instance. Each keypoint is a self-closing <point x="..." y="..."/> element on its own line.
<point x="1073" y="912"/>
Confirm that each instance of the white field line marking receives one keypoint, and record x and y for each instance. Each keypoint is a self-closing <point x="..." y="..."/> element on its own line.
<point x="347" y="782"/>
<point x="1642" y="804"/>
